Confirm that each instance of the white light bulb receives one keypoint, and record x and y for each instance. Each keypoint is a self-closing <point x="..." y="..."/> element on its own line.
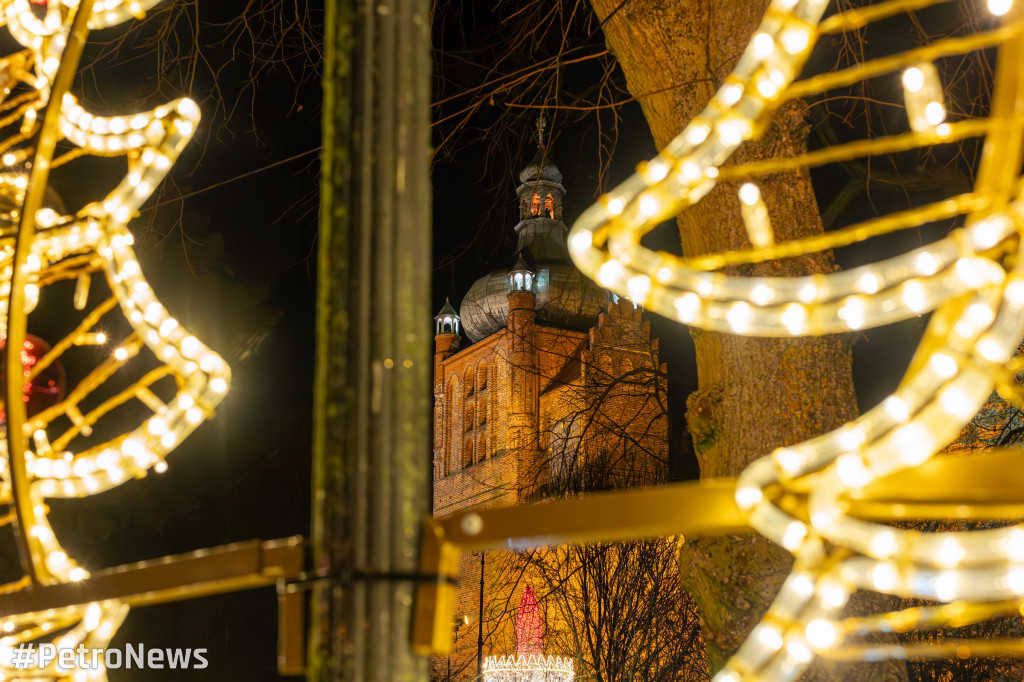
<point x="738" y="317"/>
<point x="935" y="113"/>
<point x="999" y="7"/>
<point x="913" y="79"/>
<point x="770" y="637"/>
<point x="697" y="133"/>
<point x="884" y="544"/>
<point x="648" y="205"/>
<point x="798" y="650"/>
<point x="638" y="287"/>
<point x="821" y="633"/>
<point x="687" y="307"/>
<point x="789" y="459"/>
<point x="749" y="194"/>
<point x="748" y="496"/>
<point x="795" y="40"/>
<point x="883" y="577"/>
<point x="943" y="365"/>
<point x="762" y="294"/>
<point x="794" y="535"/>
<point x="656" y="171"/>
<point x="794" y="318"/>
<point x="950" y="553"/>
<point x="608" y="274"/>
<point x="580" y="242"/>
<point x="896" y="408"/>
<point x="763" y="45"/>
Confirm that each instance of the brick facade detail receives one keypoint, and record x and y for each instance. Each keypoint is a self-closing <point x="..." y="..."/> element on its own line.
<point x="534" y="411"/>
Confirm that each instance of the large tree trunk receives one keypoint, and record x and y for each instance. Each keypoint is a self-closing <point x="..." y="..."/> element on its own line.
<point x="753" y="394"/>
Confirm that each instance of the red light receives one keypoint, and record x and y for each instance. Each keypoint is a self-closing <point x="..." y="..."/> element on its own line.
<point x="46" y="388"/>
<point x="529" y="625"/>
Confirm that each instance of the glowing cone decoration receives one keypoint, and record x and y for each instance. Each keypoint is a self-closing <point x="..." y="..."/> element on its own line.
<point x="529" y="625"/>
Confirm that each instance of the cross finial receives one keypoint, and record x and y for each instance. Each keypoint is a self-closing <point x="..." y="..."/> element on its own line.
<point x="542" y="124"/>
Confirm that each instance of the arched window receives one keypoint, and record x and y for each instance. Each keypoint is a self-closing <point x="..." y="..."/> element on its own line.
<point x="467" y="418"/>
<point x="482" y="415"/>
<point x="451" y="456"/>
<point x="535" y="205"/>
<point x="469" y="380"/>
<point x="467" y="453"/>
<point x="481" y="447"/>
<point x="549" y="206"/>
<point x="481" y="374"/>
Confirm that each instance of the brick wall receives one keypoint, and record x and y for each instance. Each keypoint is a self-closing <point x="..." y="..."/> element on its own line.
<point x="601" y="421"/>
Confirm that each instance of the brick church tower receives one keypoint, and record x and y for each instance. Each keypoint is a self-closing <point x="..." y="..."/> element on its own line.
<point x="559" y="390"/>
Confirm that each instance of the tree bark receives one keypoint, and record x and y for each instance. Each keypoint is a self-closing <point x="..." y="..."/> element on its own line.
<point x="753" y="394"/>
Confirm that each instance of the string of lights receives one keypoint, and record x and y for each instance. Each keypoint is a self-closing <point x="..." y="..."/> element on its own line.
<point x="973" y="280"/>
<point x="153" y="382"/>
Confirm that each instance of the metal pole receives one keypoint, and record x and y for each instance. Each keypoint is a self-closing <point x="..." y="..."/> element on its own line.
<point x="372" y="381"/>
<point x="480" y="624"/>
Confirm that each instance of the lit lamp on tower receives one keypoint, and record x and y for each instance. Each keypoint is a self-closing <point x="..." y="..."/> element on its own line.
<point x="520" y="277"/>
<point x="529" y="664"/>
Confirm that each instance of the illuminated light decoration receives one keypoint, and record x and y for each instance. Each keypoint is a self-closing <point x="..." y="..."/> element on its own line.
<point x="45" y="454"/>
<point x="922" y="94"/>
<point x="755" y="216"/>
<point x="529" y="662"/>
<point x="999" y="7"/>
<point x="529" y="625"/>
<point x="528" y="668"/>
<point x="44" y="384"/>
<point x="973" y="280"/>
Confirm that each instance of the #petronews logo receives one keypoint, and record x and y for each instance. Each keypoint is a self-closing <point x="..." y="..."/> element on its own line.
<point x="26" y="656"/>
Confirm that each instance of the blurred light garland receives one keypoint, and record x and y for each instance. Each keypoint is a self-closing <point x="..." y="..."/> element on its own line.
<point x="972" y="279"/>
<point x="119" y="419"/>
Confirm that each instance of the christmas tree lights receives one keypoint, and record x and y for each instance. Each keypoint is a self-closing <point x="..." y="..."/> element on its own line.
<point x="157" y="381"/>
<point x="529" y="625"/>
<point x="529" y="662"/>
<point x="972" y="279"/>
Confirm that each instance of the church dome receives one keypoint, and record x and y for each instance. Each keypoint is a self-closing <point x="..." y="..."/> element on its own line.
<point x="541" y="168"/>
<point x="565" y="298"/>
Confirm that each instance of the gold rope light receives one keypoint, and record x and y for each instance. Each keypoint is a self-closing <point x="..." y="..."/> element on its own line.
<point x="831" y="500"/>
<point x="141" y="382"/>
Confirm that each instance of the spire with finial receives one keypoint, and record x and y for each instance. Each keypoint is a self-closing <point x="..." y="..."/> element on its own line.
<point x="542" y="124"/>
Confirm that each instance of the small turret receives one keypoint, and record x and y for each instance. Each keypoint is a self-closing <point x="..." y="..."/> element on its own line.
<point x="447" y="321"/>
<point x="446" y="340"/>
<point x="521" y="277"/>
